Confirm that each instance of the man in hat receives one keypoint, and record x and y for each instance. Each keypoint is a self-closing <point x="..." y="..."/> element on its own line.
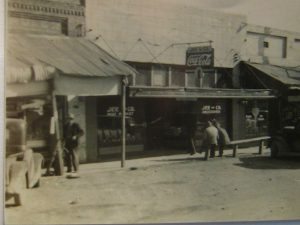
<point x="71" y="133"/>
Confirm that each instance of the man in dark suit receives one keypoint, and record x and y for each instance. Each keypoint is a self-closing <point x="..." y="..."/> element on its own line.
<point x="72" y="133"/>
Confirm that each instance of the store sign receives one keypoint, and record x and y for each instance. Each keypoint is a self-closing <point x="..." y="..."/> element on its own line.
<point x="115" y="111"/>
<point x="200" y="56"/>
<point x="211" y="109"/>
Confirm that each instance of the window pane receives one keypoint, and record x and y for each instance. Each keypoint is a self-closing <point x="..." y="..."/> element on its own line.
<point x="160" y="75"/>
<point x="144" y="77"/>
<point x="178" y="77"/>
<point x="208" y="80"/>
<point x="192" y="80"/>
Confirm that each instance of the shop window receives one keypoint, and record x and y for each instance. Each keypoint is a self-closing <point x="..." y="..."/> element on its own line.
<point x="256" y="116"/>
<point x="110" y="127"/>
<point x="160" y="75"/>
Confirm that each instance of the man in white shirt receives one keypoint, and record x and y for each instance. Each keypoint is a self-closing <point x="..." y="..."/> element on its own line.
<point x="210" y="139"/>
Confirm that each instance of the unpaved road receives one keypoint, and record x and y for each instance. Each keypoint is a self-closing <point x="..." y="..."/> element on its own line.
<point x="178" y="188"/>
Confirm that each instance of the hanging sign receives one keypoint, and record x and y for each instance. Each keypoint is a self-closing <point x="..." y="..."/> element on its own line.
<point x="200" y="56"/>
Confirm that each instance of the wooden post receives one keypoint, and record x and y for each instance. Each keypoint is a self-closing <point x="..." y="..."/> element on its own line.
<point x="123" y="122"/>
<point x="235" y="147"/>
<point x="59" y="148"/>
<point x="206" y="154"/>
<point x="261" y="145"/>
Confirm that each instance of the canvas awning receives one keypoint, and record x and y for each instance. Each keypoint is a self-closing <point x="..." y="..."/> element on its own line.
<point x="190" y="93"/>
<point x="287" y="77"/>
<point x="32" y="58"/>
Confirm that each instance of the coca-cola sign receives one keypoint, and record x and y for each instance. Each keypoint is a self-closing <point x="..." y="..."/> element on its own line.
<point x="200" y="56"/>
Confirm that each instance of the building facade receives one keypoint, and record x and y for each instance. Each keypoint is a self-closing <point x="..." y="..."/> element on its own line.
<point x="188" y="62"/>
<point x="174" y="87"/>
<point x="52" y="70"/>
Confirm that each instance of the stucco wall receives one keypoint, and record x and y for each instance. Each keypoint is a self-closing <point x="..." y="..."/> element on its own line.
<point x="271" y="56"/>
<point x="145" y="31"/>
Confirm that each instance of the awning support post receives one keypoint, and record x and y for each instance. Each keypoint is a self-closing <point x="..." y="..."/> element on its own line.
<point x="58" y="147"/>
<point x="124" y="82"/>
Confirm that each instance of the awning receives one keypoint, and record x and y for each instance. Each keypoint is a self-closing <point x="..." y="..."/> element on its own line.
<point x="87" y="86"/>
<point x="289" y="77"/>
<point x="32" y="58"/>
<point x="190" y="93"/>
<point x="28" y="89"/>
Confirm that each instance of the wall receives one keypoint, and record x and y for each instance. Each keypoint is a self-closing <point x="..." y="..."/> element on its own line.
<point x="46" y="17"/>
<point x="157" y="32"/>
<point x="283" y="50"/>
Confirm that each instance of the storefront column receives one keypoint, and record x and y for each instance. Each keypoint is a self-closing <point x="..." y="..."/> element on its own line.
<point x="238" y="121"/>
<point x="58" y="137"/>
<point x="91" y="129"/>
<point x="124" y="81"/>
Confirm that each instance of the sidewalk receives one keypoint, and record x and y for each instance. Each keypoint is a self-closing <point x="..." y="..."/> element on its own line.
<point x="160" y="160"/>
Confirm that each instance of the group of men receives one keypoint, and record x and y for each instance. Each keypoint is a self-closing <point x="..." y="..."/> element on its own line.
<point x="215" y="136"/>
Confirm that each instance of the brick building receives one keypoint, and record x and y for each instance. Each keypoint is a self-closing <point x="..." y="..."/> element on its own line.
<point x="51" y="17"/>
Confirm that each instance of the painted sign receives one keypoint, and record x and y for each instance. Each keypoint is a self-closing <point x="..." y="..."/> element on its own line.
<point x="211" y="109"/>
<point x="200" y="56"/>
<point x="115" y="111"/>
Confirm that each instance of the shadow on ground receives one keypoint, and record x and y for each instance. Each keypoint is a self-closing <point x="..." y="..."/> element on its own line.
<point x="266" y="162"/>
<point x="185" y="159"/>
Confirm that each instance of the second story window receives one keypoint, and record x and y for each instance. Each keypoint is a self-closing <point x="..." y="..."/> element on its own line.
<point x="160" y="75"/>
<point x="266" y="44"/>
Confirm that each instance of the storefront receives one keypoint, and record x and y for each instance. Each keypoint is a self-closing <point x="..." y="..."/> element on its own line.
<point x="285" y="109"/>
<point x="43" y="86"/>
<point x="243" y="113"/>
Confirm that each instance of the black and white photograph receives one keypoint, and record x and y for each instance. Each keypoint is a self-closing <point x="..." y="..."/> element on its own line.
<point x="151" y="111"/>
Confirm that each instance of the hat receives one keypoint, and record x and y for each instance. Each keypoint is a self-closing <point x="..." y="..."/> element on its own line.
<point x="70" y="116"/>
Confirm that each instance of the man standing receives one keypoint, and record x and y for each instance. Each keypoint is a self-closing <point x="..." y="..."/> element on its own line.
<point x="223" y="137"/>
<point x="72" y="132"/>
<point x="210" y="139"/>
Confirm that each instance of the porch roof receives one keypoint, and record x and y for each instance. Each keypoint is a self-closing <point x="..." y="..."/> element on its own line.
<point x="37" y="58"/>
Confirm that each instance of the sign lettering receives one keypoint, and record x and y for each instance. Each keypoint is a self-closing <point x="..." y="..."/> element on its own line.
<point x="200" y="56"/>
<point x="211" y="109"/>
<point x="115" y="111"/>
<point x="199" y="60"/>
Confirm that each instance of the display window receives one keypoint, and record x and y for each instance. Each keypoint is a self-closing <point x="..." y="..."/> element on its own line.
<point x="256" y="119"/>
<point x="37" y="112"/>
<point x="109" y="123"/>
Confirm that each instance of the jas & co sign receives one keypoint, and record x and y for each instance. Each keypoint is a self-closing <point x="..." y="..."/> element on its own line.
<point x="200" y="56"/>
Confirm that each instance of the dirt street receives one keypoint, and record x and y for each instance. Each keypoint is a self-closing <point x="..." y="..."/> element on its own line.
<point x="177" y="188"/>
